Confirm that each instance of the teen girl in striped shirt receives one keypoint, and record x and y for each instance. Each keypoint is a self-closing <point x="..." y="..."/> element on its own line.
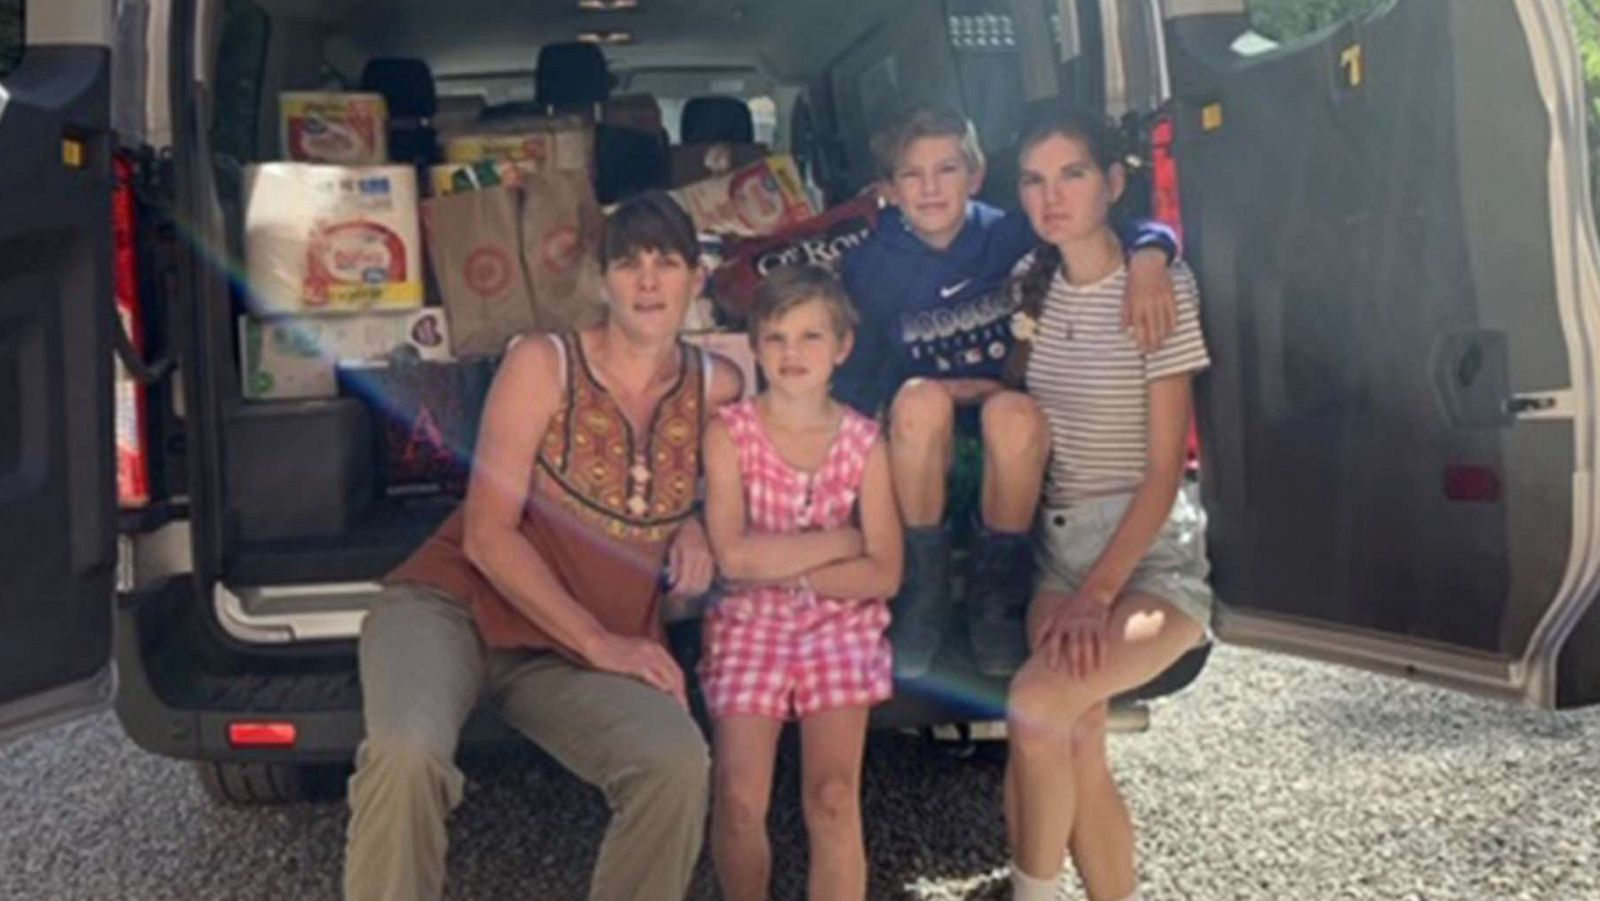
<point x="1122" y="589"/>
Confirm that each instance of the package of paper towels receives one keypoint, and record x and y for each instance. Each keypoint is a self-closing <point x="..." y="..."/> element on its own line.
<point x="331" y="239"/>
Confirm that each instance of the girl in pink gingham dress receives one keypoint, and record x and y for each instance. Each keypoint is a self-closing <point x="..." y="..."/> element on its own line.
<point x="802" y="520"/>
<point x="783" y="651"/>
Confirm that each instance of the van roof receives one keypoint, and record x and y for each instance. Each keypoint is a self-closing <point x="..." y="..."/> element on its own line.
<point x="785" y="38"/>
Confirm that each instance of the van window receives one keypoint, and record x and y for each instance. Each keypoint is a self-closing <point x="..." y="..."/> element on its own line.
<point x="239" y="64"/>
<point x="10" y="35"/>
<point x="1286" y="20"/>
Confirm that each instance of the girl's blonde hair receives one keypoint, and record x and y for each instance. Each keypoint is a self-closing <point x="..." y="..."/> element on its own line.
<point x="910" y="125"/>
<point x="790" y="286"/>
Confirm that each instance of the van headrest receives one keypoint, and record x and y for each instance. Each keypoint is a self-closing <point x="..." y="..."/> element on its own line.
<point x="708" y="120"/>
<point x="571" y="74"/>
<point x="628" y="161"/>
<point x="406" y="84"/>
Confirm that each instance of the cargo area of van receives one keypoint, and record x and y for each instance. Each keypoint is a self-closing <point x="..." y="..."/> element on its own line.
<point x="756" y="115"/>
<point x="329" y="415"/>
<point x="1388" y="436"/>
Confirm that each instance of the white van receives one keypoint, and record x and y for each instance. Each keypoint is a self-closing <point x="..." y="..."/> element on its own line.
<point x="1390" y="220"/>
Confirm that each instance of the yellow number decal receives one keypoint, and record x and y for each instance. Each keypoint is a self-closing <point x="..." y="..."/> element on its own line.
<point x="72" y="153"/>
<point x="1350" y="62"/>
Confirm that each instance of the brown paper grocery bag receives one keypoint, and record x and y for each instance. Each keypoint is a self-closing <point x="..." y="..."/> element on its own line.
<point x="561" y="223"/>
<point x="474" y="244"/>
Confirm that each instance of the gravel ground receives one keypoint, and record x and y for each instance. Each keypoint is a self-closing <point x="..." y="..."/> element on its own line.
<point x="1269" y="779"/>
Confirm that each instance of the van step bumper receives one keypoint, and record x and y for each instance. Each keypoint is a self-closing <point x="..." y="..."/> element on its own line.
<point x="183" y="685"/>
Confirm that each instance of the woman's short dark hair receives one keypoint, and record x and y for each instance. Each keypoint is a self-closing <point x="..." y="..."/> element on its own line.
<point x="650" y="221"/>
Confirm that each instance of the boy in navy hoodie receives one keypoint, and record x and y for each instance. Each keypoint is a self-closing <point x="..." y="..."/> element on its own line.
<point x="930" y="284"/>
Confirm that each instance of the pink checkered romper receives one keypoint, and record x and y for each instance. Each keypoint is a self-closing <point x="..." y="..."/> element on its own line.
<point x="782" y="652"/>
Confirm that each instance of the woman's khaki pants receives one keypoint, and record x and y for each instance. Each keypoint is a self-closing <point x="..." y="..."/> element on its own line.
<point x="424" y="668"/>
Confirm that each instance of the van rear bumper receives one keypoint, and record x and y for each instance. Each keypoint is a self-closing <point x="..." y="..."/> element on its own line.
<point x="180" y="688"/>
<point x="183" y="683"/>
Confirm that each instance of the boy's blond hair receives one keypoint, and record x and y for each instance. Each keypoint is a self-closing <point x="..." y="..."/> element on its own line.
<point x="790" y="286"/>
<point x="889" y="144"/>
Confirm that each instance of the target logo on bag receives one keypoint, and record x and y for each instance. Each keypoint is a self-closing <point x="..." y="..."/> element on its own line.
<point x="562" y="250"/>
<point x="487" y="271"/>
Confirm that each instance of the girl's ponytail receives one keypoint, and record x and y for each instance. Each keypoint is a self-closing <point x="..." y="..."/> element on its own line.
<point x="1029" y="289"/>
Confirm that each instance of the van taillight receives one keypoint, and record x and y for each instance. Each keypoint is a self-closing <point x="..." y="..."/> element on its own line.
<point x="133" y="457"/>
<point x="1469" y="484"/>
<point x="261" y="735"/>
<point x="1166" y="205"/>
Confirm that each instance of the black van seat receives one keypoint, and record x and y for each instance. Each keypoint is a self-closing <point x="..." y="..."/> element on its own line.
<point x="628" y="161"/>
<point x="571" y="76"/>
<point x="694" y="162"/>
<point x="407" y="86"/>
<point x="571" y="79"/>
<point x="716" y="120"/>
<point x="718" y="136"/>
<point x="630" y="147"/>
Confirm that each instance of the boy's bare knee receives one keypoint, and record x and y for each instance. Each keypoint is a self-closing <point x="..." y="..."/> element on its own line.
<point x="922" y="410"/>
<point x="1013" y="422"/>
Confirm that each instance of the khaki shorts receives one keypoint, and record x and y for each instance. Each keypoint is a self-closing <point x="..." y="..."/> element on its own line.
<point x="1068" y="541"/>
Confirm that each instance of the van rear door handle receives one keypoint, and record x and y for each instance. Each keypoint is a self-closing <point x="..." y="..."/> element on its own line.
<point x="1471" y="378"/>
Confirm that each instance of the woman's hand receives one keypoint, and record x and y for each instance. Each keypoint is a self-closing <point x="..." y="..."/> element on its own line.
<point x="1150" y="304"/>
<point x="690" y="566"/>
<point x="1074" y="635"/>
<point x="642" y="659"/>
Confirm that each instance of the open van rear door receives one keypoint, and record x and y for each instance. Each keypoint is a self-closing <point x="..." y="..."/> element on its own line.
<point x="57" y="489"/>
<point x="1393" y="233"/>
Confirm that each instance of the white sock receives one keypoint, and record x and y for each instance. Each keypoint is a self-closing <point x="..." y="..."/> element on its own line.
<point x="1028" y="888"/>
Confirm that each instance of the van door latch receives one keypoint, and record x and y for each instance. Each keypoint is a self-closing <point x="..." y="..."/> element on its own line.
<point x="1542" y="405"/>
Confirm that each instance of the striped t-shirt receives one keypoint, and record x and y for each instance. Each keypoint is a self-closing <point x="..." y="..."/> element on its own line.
<point x="1092" y="381"/>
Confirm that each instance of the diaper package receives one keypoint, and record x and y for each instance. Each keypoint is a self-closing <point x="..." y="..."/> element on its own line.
<point x="755" y="201"/>
<point x="331" y="238"/>
<point x="349" y="129"/>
